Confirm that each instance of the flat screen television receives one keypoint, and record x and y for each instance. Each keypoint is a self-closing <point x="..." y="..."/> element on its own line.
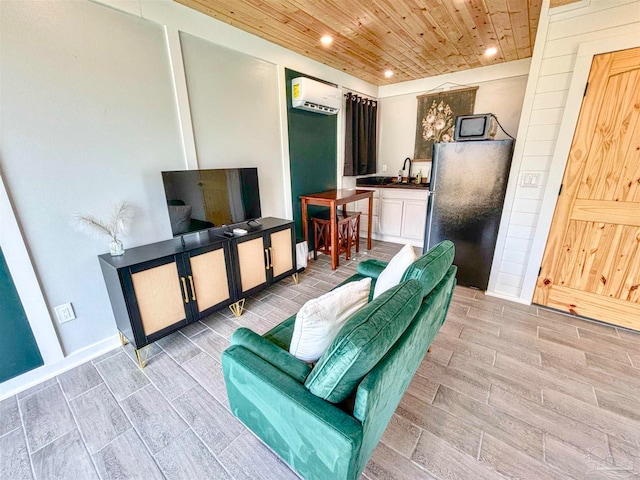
<point x="203" y="199"/>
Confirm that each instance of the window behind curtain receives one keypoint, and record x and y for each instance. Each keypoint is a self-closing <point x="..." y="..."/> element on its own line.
<point x="360" y="135"/>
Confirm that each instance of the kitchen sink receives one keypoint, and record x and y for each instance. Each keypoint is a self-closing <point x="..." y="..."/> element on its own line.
<point x="373" y="181"/>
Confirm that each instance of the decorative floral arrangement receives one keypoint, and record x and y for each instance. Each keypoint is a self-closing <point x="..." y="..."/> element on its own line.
<point x="438" y="123"/>
<point x="115" y="226"/>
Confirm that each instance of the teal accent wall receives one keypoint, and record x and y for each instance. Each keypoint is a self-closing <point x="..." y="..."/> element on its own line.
<point x="313" y="141"/>
<point x="19" y="351"/>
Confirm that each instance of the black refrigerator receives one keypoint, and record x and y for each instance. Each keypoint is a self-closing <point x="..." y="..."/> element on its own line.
<point x="468" y="185"/>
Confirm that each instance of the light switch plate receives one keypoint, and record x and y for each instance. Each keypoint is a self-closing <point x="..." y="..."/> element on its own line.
<point x="530" y="179"/>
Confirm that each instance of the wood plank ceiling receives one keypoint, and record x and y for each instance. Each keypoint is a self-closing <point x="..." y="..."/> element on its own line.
<point x="413" y="38"/>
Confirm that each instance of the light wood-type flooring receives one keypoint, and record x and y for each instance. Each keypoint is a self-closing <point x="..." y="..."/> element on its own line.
<point x="507" y="391"/>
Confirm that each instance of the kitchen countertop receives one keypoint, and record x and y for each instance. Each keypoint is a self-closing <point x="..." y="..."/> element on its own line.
<point x="388" y="182"/>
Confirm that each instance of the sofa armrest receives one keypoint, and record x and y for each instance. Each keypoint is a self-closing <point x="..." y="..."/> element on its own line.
<point x="313" y="436"/>
<point x="371" y="268"/>
<point x="271" y="353"/>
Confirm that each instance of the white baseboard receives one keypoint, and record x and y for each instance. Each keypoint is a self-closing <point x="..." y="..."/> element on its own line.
<point x="394" y="239"/>
<point x="507" y="297"/>
<point x="45" y="372"/>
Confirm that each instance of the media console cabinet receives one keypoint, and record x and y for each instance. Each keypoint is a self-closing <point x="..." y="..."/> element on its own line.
<point x="159" y="288"/>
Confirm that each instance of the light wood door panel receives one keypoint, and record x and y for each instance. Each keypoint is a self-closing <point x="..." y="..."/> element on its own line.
<point x="281" y="248"/>
<point x="209" y="272"/>
<point x="251" y="257"/>
<point x="591" y="265"/>
<point x="159" y="297"/>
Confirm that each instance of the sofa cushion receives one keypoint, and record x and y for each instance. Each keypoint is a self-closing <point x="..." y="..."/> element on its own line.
<point x="363" y="341"/>
<point x="320" y="319"/>
<point x="395" y="269"/>
<point x="431" y="267"/>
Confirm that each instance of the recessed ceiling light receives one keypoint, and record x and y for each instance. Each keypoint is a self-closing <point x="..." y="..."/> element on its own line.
<point x="388" y="73"/>
<point x="326" y="40"/>
<point x="490" y="51"/>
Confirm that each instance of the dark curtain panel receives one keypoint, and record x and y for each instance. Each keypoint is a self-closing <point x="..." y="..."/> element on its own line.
<point x="361" y="118"/>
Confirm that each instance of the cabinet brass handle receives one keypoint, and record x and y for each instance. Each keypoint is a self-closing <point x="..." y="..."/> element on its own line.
<point x="266" y="256"/>
<point x="193" y="290"/>
<point x="184" y="290"/>
<point x="270" y="257"/>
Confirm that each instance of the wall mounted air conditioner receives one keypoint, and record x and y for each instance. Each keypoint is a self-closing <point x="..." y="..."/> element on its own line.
<point x="307" y="94"/>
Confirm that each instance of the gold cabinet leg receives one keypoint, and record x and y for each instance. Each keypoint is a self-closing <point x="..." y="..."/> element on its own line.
<point x="123" y="339"/>
<point x="142" y="355"/>
<point x="296" y="278"/>
<point x="237" y="308"/>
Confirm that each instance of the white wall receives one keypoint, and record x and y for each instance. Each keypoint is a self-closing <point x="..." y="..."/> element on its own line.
<point x="501" y="91"/>
<point x="94" y="105"/>
<point x="88" y="118"/>
<point x="525" y="226"/>
<point x="233" y="115"/>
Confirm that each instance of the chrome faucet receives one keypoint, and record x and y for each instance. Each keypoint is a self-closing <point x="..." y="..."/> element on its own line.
<point x="409" y="172"/>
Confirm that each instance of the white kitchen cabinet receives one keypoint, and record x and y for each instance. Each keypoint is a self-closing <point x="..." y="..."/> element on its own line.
<point x="362" y="206"/>
<point x="414" y="217"/>
<point x="391" y="218"/>
<point x="399" y="215"/>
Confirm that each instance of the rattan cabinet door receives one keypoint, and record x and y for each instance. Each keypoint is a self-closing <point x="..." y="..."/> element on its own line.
<point x="280" y="252"/>
<point x="251" y="261"/>
<point x="161" y="301"/>
<point x="209" y="279"/>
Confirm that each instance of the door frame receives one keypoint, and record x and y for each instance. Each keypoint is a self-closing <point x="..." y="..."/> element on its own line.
<point x="26" y="282"/>
<point x="568" y="124"/>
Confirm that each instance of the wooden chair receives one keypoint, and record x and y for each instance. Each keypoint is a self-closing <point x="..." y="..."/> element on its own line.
<point x="348" y="233"/>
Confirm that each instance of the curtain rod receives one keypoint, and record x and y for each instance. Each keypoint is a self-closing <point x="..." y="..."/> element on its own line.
<point x="368" y="97"/>
<point x="351" y="90"/>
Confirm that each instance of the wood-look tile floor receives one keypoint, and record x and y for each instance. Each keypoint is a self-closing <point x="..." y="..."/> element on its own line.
<point x="507" y="391"/>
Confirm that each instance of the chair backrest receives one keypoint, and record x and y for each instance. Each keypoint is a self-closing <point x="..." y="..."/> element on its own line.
<point x="381" y="389"/>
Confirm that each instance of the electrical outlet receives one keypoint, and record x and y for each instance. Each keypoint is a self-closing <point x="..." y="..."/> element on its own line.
<point x="64" y="312"/>
<point x="384" y="168"/>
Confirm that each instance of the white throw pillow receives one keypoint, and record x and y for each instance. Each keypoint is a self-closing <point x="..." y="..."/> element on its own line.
<point x="393" y="272"/>
<point x="319" y="320"/>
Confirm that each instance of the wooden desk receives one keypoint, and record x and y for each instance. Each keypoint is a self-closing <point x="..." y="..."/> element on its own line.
<point x="333" y="199"/>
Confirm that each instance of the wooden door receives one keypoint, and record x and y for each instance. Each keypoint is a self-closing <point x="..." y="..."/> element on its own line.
<point x="591" y="265"/>
<point x="215" y="196"/>
<point x="280" y="252"/>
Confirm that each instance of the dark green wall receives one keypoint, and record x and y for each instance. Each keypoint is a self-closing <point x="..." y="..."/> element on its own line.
<point x="18" y="346"/>
<point x="313" y="140"/>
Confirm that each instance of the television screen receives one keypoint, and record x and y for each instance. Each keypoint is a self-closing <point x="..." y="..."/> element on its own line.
<point x="202" y="199"/>
<point x="472" y="127"/>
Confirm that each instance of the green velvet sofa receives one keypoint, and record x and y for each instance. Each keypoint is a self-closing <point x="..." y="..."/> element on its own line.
<point x="326" y="421"/>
